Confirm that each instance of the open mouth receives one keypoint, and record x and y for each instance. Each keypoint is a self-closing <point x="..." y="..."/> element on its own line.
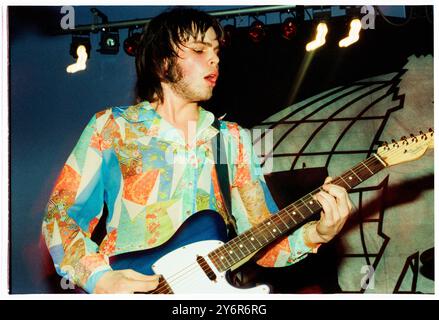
<point x="211" y="78"/>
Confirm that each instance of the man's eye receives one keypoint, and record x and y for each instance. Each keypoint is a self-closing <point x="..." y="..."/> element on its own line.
<point x="198" y="50"/>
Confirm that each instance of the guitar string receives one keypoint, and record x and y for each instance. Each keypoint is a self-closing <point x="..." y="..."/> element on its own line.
<point x="338" y="180"/>
<point x="165" y="287"/>
<point x="174" y="278"/>
<point x="357" y="169"/>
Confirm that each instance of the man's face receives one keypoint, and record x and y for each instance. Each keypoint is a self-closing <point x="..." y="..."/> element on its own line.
<point x="194" y="74"/>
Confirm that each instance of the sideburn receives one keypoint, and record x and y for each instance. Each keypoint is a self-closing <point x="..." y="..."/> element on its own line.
<point x="172" y="72"/>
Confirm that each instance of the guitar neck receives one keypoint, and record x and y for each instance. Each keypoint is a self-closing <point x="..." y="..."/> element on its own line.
<point x="287" y="219"/>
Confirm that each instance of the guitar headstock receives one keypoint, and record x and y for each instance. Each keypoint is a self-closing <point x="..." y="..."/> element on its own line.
<point x="407" y="149"/>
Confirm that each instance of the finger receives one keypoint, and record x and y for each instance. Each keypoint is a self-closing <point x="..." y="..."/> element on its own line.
<point x="141" y="286"/>
<point x="328" y="179"/>
<point x="329" y="206"/>
<point x="341" y="197"/>
<point x="134" y="275"/>
<point x="335" y="190"/>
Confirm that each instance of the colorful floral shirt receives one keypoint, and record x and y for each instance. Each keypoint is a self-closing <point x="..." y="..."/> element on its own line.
<point x="151" y="181"/>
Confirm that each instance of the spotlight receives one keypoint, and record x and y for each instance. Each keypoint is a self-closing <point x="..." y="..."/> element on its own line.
<point x="289" y="28"/>
<point x="354" y="34"/>
<point x="80" y="63"/>
<point x="78" y="40"/>
<point x="256" y="31"/>
<point x="321" y="16"/>
<point x="109" y="43"/>
<point x="320" y="39"/>
<point x="132" y="42"/>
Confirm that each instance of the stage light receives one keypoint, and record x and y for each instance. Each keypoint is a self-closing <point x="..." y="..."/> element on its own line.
<point x="320" y="39"/>
<point x="109" y="43"/>
<point x="80" y="50"/>
<point x="80" y="64"/>
<point x="132" y="42"/>
<point x="289" y="28"/>
<point x="354" y="34"/>
<point x="78" y="40"/>
<point x="257" y="31"/>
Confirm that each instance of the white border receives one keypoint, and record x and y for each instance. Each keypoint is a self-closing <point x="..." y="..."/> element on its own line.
<point x="4" y="169"/>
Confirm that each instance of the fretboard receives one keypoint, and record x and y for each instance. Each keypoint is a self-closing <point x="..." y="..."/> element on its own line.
<point x="287" y="219"/>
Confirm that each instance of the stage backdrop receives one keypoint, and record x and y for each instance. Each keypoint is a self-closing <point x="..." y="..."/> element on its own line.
<point x="393" y="219"/>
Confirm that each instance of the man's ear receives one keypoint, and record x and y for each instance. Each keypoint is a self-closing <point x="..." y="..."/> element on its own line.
<point x="164" y="69"/>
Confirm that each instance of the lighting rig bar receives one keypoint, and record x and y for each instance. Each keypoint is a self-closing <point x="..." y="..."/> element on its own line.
<point x="257" y="10"/>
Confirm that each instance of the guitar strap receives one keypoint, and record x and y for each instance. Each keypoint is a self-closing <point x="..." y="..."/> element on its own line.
<point x="222" y="171"/>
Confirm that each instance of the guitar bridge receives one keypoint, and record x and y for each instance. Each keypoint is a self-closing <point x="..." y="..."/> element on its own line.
<point x="206" y="268"/>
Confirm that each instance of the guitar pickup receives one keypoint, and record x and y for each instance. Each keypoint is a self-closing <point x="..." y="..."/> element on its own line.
<point x="206" y="268"/>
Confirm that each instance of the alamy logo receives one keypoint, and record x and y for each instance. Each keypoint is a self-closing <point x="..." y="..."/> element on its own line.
<point x="66" y="282"/>
<point x="368" y="20"/>
<point x="68" y="20"/>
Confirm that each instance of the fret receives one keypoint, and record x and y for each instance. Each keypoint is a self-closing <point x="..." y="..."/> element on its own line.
<point x="221" y="264"/>
<point x="367" y="167"/>
<point x="356" y="175"/>
<point x="286" y="219"/>
<point x="342" y="179"/>
<point x="243" y="244"/>
<point x="216" y="261"/>
<point x="297" y="210"/>
<point x="268" y="228"/>
<point x="230" y="251"/>
<point x="279" y="215"/>
<point x="263" y="233"/>
<point x="276" y="225"/>
<point x="239" y="245"/>
<point x="306" y="207"/>
<point x="224" y="256"/>
<point x="291" y="215"/>
<point x="254" y="240"/>
<point x="251" y="238"/>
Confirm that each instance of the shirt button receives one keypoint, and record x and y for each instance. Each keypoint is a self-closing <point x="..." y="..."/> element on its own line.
<point x="190" y="184"/>
<point x="188" y="212"/>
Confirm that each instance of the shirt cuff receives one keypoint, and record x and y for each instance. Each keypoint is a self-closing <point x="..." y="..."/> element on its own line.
<point x="313" y="246"/>
<point x="94" y="278"/>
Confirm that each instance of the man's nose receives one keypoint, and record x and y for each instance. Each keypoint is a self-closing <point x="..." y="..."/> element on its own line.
<point x="214" y="59"/>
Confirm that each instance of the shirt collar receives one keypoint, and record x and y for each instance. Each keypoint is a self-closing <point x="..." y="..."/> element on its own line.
<point x="158" y="127"/>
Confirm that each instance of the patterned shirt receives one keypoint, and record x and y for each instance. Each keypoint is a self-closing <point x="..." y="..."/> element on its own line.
<point x="151" y="181"/>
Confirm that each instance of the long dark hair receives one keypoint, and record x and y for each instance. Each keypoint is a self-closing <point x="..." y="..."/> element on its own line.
<point x="157" y="47"/>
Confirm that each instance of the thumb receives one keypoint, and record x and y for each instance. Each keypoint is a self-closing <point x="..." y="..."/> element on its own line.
<point x="134" y="275"/>
<point x="142" y="286"/>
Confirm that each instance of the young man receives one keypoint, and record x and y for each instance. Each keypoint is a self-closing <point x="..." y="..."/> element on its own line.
<point x="152" y="164"/>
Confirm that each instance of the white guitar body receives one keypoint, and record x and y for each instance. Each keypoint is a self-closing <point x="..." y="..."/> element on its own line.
<point x="184" y="275"/>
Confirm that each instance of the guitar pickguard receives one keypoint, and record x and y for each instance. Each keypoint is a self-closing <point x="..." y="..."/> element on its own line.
<point x="185" y="275"/>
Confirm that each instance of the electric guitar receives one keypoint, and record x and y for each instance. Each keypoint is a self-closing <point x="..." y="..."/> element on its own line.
<point x="196" y="259"/>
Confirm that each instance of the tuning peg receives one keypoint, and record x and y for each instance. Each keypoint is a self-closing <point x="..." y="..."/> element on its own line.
<point x="404" y="140"/>
<point x="395" y="144"/>
<point x="431" y="131"/>
<point x="414" y="139"/>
